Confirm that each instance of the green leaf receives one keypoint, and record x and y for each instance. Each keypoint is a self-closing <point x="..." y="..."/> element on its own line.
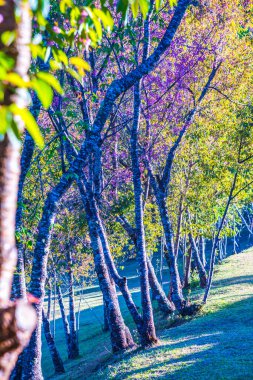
<point x="44" y="92"/>
<point x="135" y="8"/>
<point x="8" y="37"/>
<point x="98" y="27"/>
<point x="51" y="80"/>
<point x="74" y="74"/>
<point x="30" y="123"/>
<point x="106" y="18"/>
<point x="16" y="80"/>
<point x="80" y="63"/>
<point x="5" y="120"/>
<point x="93" y="37"/>
<point x="37" y="51"/>
<point x="144" y="6"/>
<point x="122" y="7"/>
<point x="15" y="130"/>
<point x="1" y="92"/>
<point x="6" y="62"/>
<point x="64" y="4"/>
<point x="60" y="56"/>
<point x="55" y="65"/>
<point x="158" y="4"/>
<point x="74" y="16"/>
<point x="172" y="3"/>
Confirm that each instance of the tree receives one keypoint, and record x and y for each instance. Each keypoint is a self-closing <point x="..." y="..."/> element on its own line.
<point x="15" y="62"/>
<point x="15" y="329"/>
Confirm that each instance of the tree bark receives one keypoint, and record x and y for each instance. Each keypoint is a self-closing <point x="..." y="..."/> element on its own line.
<point x="106" y="324"/>
<point x="202" y="244"/>
<point x="74" y="351"/>
<point x="57" y="361"/>
<point x="179" y="222"/>
<point x="148" y="329"/>
<point x="123" y="340"/>
<point x="164" y="304"/>
<point x="200" y="267"/>
<point x="160" y="187"/>
<point x="64" y="319"/>
<point x="121" y="282"/>
<point x="49" y="300"/>
<point x="187" y="274"/>
<point x="41" y="251"/>
<point x="120" y="335"/>
<point x="32" y="366"/>
<point x="217" y="237"/>
<point x="17" y="320"/>
<point x="19" y="283"/>
<point x="175" y="282"/>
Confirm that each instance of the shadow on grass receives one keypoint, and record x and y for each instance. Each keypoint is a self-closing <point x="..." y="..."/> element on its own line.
<point x="95" y="345"/>
<point x="223" y="350"/>
<point x="233" y="281"/>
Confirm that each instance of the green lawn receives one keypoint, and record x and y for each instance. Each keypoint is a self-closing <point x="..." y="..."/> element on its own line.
<point x="218" y="344"/>
<point x="94" y="344"/>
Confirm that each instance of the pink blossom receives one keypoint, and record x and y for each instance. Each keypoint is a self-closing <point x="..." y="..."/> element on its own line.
<point x="56" y="29"/>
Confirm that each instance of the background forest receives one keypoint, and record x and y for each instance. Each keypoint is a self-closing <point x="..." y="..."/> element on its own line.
<point x="134" y="181"/>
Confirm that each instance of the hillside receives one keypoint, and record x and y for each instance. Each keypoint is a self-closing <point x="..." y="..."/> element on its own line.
<point x="216" y="345"/>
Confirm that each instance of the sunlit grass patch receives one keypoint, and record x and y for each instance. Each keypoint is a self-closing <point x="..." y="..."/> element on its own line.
<point x="217" y="344"/>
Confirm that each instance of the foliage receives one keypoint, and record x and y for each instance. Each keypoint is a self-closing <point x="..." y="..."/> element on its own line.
<point x="79" y="26"/>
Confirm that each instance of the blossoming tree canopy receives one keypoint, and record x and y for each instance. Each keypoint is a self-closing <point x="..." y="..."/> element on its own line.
<point x="134" y="120"/>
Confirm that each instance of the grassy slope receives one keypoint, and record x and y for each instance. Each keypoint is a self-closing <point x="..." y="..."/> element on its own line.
<point x="94" y="344"/>
<point x="217" y="345"/>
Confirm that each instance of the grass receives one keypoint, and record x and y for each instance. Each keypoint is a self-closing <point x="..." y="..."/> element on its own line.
<point x="94" y="343"/>
<point x="218" y="344"/>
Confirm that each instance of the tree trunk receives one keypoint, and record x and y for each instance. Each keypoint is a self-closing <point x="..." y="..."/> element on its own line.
<point x="216" y="239"/>
<point x="176" y="287"/>
<point x="203" y="250"/>
<point x="120" y="281"/>
<point x="17" y="321"/>
<point x="120" y="335"/>
<point x="32" y="365"/>
<point x="175" y="282"/>
<point x="148" y="329"/>
<point x="19" y="285"/>
<point x="179" y="222"/>
<point x="187" y="273"/>
<point x="57" y="361"/>
<point x="200" y="267"/>
<point x="106" y="324"/>
<point x="72" y="315"/>
<point x="49" y="301"/>
<point x="121" y="338"/>
<point x="54" y="311"/>
<point x="225" y="246"/>
<point x="19" y="282"/>
<point x="64" y="319"/>
<point x="164" y="304"/>
<point x="161" y="254"/>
